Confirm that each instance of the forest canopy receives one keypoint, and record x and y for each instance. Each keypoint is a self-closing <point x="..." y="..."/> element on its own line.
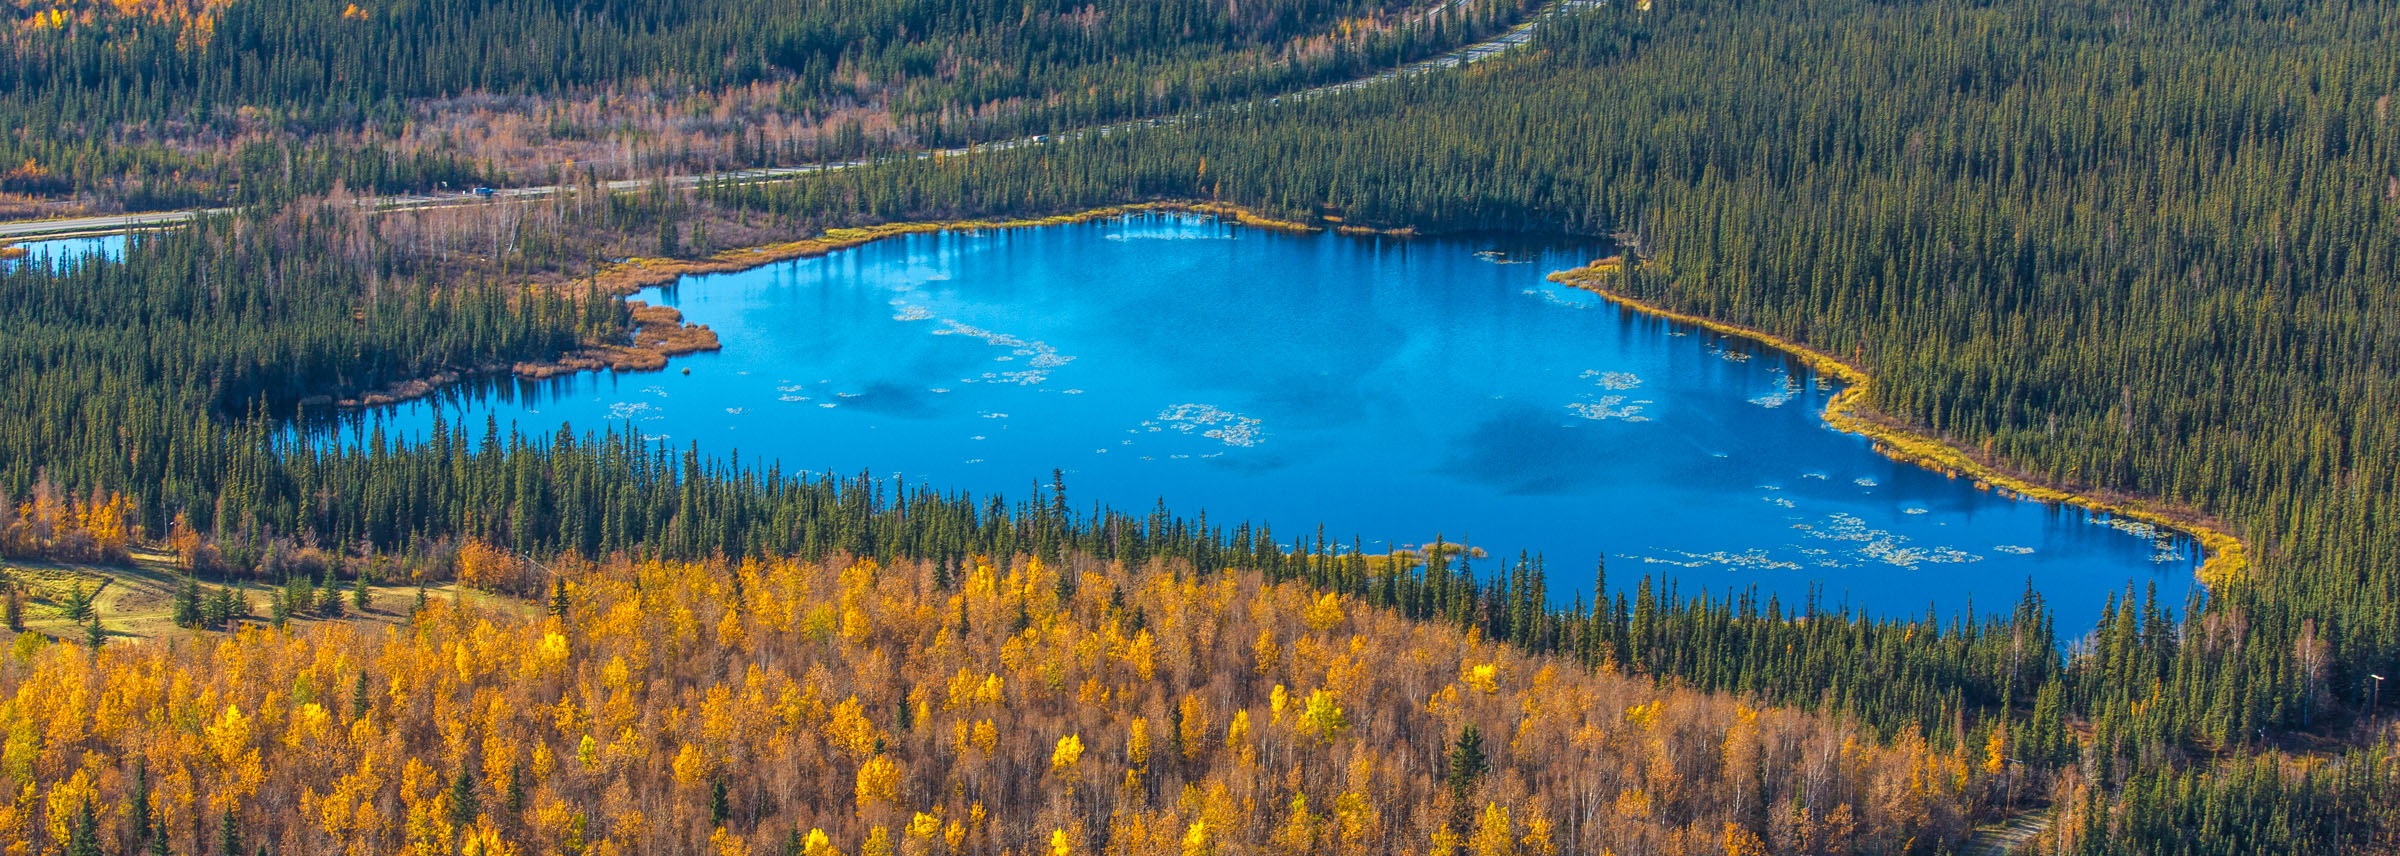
<point x="2133" y="251"/>
<point x="165" y="104"/>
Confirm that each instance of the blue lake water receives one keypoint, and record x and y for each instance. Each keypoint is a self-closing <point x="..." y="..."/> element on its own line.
<point x="1395" y="390"/>
<point x="61" y="251"/>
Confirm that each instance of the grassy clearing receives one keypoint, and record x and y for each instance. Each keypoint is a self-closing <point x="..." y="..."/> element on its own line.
<point x="136" y="602"/>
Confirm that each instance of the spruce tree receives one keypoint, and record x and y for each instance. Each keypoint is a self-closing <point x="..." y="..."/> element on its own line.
<point x="137" y="804"/>
<point x="1466" y="764"/>
<point x="464" y="805"/>
<point x="187" y="602"/>
<point x="329" y="597"/>
<point x="83" y="838"/>
<point x="358" y="696"/>
<point x="78" y="605"/>
<point x="229" y="834"/>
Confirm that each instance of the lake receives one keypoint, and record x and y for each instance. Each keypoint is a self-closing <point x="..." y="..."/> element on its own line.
<point x="64" y="251"/>
<point x="1396" y="389"/>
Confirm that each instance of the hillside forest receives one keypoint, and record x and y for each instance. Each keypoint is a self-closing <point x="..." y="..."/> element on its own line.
<point x="2135" y="252"/>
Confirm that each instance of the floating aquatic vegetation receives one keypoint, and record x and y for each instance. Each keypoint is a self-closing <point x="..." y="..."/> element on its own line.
<point x="1608" y="407"/>
<point x="1863" y="481"/>
<point x="737" y="411"/>
<point x="790" y="397"/>
<point x="656" y="390"/>
<point x="1817" y="476"/>
<point x="1916" y="511"/>
<point x="2136" y="528"/>
<point x="1753" y="559"/>
<point x="1613" y="381"/>
<point x="2014" y="549"/>
<point x="937" y="390"/>
<point x="1499" y="258"/>
<point x="625" y="410"/>
<point x="1885" y="546"/>
<point x="1040" y="356"/>
<point x="1216" y="423"/>
<point x="1788" y="389"/>
<point x="1779" y="501"/>
<point x="913" y="313"/>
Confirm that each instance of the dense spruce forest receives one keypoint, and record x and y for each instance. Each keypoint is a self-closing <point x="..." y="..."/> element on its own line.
<point x="2142" y="252"/>
<point x="2133" y="250"/>
<point x="167" y="104"/>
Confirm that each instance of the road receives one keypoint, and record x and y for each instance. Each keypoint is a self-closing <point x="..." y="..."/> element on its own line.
<point x="1514" y="38"/>
<point x="79" y="225"/>
<point x="2008" y="836"/>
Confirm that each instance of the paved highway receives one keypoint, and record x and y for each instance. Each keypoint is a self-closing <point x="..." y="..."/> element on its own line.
<point x="1516" y="37"/>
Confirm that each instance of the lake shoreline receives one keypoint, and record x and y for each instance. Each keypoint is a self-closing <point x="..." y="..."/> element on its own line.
<point x="658" y="336"/>
<point x="2227" y="560"/>
<point x="961" y="358"/>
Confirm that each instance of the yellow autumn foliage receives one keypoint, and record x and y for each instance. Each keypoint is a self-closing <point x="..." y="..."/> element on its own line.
<point x="1068" y="753"/>
<point x="615" y="729"/>
<point x="878" y="782"/>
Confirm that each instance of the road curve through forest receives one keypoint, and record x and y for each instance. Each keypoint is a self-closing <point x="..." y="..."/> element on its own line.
<point x="1514" y="38"/>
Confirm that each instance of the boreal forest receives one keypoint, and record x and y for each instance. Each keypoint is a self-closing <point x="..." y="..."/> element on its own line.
<point x="2140" y="253"/>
